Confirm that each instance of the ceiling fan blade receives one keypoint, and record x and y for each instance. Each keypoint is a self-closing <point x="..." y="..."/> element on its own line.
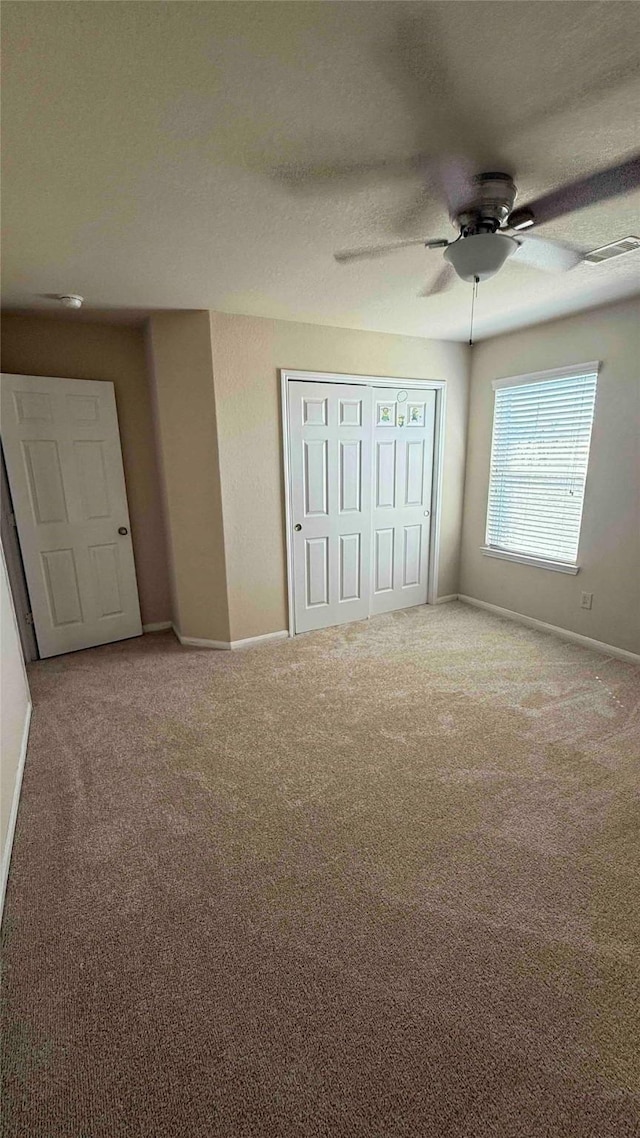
<point x="419" y="61"/>
<point x="444" y="280"/>
<point x="414" y="61"/>
<point x="310" y="177"/>
<point x="598" y="187"/>
<point x="547" y="255"/>
<point x="452" y="179"/>
<point x="380" y="250"/>
<point x="456" y="181"/>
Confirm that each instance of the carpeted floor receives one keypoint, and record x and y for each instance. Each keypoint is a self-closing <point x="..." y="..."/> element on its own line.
<point x="380" y="880"/>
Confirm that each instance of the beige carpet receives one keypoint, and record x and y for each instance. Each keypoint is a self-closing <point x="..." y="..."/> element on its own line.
<point x="381" y="880"/>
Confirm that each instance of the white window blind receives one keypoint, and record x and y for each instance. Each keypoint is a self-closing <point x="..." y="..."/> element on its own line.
<point x="539" y="457"/>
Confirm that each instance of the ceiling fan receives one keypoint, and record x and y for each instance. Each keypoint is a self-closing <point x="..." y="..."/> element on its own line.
<point x="481" y="207"/>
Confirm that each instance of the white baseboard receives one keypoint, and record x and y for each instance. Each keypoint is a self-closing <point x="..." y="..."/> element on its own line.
<point x="445" y="600"/>
<point x="256" y="639"/>
<point x="8" y="845"/>
<point x="160" y="626"/>
<point x="564" y="633"/>
<point x="227" y="645"/>
<point x="198" y="642"/>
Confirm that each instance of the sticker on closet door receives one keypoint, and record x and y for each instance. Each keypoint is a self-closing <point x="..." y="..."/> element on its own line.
<point x="415" y="414"/>
<point x="386" y="415"/>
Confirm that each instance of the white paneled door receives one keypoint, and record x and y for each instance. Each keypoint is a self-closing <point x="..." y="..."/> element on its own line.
<point x="63" y="457"/>
<point x="403" y="434"/>
<point x="330" y="460"/>
<point x="361" y="471"/>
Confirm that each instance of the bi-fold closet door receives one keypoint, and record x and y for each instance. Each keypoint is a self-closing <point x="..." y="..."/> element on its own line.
<point x="361" y="472"/>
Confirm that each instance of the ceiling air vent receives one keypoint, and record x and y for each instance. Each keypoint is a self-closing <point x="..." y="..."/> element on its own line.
<point x="615" y="249"/>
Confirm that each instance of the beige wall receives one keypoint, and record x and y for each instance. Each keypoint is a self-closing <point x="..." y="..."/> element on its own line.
<point x="179" y="348"/>
<point x="218" y="420"/>
<point x="15" y="704"/>
<point x="609" y="554"/>
<point x="83" y="350"/>
<point x="247" y="353"/>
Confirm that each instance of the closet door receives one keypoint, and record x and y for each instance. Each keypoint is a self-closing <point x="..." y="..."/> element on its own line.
<point x="403" y="443"/>
<point x="330" y="433"/>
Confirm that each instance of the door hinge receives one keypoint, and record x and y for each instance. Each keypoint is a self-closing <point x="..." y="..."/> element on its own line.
<point x="12" y="521"/>
<point x="29" y="618"/>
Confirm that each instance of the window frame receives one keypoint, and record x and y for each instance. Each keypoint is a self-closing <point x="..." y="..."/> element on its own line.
<point x="538" y="561"/>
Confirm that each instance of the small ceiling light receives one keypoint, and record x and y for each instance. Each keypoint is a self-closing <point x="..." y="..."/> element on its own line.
<point x="71" y="300"/>
<point x="481" y="255"/>
<point x="521" y="219"/>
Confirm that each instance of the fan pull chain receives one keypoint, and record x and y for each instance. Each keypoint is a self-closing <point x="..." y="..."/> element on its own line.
<point x="476" y="282"/>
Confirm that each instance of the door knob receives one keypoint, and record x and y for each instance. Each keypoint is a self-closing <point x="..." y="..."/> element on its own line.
<point x="123" y="530"/>
<point x="426" y="513"/>
<point x="297" y="527"/>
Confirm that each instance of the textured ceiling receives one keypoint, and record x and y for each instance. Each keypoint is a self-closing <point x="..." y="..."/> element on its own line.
<point x="177" y="155"/>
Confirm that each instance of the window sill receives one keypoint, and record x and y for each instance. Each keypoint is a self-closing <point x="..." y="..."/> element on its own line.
<point x="525" y="559"/>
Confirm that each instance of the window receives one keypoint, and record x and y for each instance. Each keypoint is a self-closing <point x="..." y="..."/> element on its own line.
<point x="539" y="457"/>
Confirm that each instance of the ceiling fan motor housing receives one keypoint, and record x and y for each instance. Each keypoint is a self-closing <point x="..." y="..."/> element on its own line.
<point x="491" y="206"/>
<point x="480" y="251"/>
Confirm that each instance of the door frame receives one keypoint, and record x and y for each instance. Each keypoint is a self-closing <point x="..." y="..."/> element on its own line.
<point x="15" y="568"/>
<point x="440" y="388"/>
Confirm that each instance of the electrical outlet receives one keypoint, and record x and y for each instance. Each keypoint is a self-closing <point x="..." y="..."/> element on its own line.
<point x="586" y="600"/>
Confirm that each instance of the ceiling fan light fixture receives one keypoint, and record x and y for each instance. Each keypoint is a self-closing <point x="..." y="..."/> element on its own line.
<point x="71" y="300"/>
<point x="481" y="255"/>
